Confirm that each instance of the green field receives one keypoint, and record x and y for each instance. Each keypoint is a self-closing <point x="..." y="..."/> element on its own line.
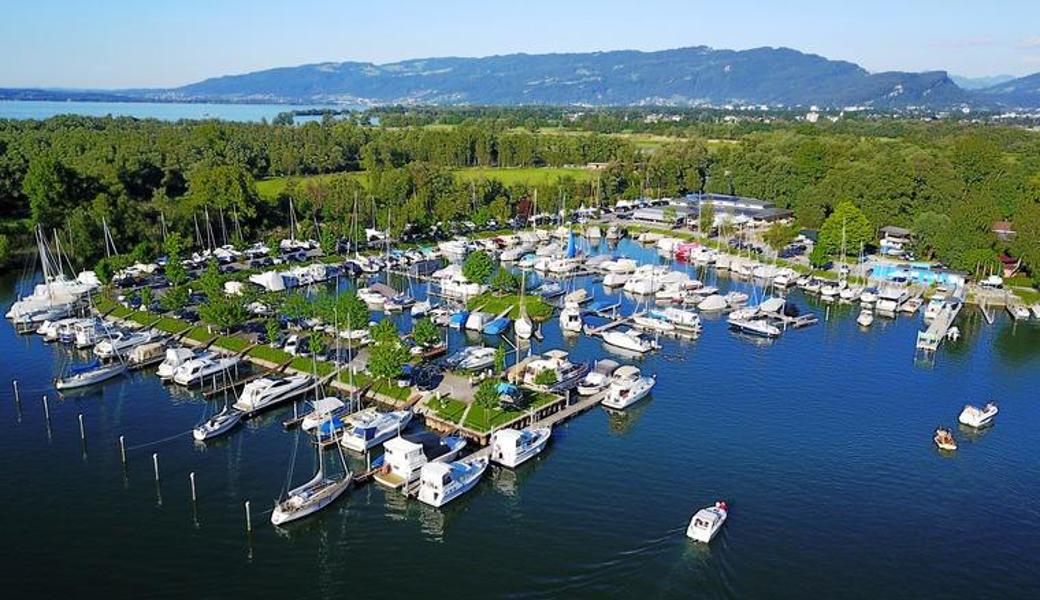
<point x="271" y="188"/>
<point x="537" y="309"/>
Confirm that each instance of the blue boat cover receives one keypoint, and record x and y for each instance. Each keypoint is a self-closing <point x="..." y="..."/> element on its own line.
<point x="90" y="366"/>
<point x="571" y="250"/>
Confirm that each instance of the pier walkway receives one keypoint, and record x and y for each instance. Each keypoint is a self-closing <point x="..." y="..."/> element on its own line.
<point x="930" y="339"/>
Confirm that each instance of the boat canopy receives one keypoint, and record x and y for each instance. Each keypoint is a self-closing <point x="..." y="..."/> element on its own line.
<point x="84" y="368"/>
<point x="627" y="372"/>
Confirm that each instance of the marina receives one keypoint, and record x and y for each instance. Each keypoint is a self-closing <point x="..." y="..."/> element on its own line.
<point x="771" y="368"/>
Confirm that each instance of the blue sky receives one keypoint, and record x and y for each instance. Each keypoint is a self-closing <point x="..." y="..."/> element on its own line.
<point x="154" y="43"/>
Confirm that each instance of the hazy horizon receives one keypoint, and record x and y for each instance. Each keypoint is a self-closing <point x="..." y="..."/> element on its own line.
<point x="119" y="44"/>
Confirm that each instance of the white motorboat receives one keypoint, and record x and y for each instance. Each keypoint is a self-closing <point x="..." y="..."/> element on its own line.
<point x="420" y="308"/>
<point x="891" y="299"/>
<point x="707" y="522"/>
<point x="477" y="320"/>
<point x="512" y="447"/>
<point x="934" y="306"/>
<point x="866" y="317"/>
<point x="680" y="318"/>
<point x="89" y="374"/>
<point x="523" y="327"/>
<point x="271" y="390"/>
<point x="616" y="279"/>
<point x="66" y="330"/>
<point x="120" y="342"/>
<point x="1018" y="312"/>
<point x="944" y="439"/>
<point x="175" y="358"/>
<point x="88" y="333"/>
<point x="630" y="340"/>
<point x="976" y="417"/>
<point x="196" y="370"/>
<point x="404" y="457"/>
<point x="371" y="298"/>
<point x="570" y="318"/>
<point x="598" y="378"/>
<point x="829" y="293"/>
<point x="478" y="359"/>
<point x="651" y="322"/>
<point x="713" y="303"/>
<point x="735" y="299"/>
<point x="627" y="388"/>
<point x="217" y="425"/>
<point x="440" y="483"/>
<point x="369" y="428"/>
<point x="755" y="327"/>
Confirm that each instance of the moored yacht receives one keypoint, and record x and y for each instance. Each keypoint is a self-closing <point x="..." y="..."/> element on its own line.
<point x="440" y="483"/>
<point x="89" y="374"/>
<point x="628" y="387"/>
<point x="175" y="357"/>
<point x="404" y="457"/>
<point x="120" y="342"/>
<point x="312" y="496"/>
<point x="512" y="447"/>
<point x="271" y="390"/>
<point x="196" y="370"/>
<point x="629" y="339"/>
<point x="598" y="378"/>
<point x="218" y="424"/>
<point x="866" y="317"/>
<point x="369" y="428"/>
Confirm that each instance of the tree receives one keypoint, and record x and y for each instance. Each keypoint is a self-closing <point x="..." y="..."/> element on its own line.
<point x="707" y="217"/>
<point x="818" y="257"/>
<point x="384" y="332"/>
<point x="545" y="377"/>
<point x="225" y="312"/>
<point x="296" y="306"/>
<point x="211" y="282"/>
<point x="50" y="188"/>
<point x="779" y="235"/>
<point x="5" y="250"/>
<point x="477" y="267"/>
<point x="504" y="282"/>
<point x="500" y="358"/>
<point x="425" y="333"/>
<point x="272" y="328"/>
<point x="1026" y="245"/>
<point x="487" y="395"/>
<point x="352" y="312"/>
<point x="387" y="359"/>
<point x="223" y="187"/>
<point x="316" y="345"/>
<point x="175" y="298"/>
<point x="174" y="247"/>
<point x="849" y="220"/>
<point x="928" y="231"/>
<point x="146" y="297"/>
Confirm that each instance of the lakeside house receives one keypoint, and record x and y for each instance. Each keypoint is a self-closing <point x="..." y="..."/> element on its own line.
<point x="895" y="241"/>
<point x="1004" y="230"/>
<point x="662" y="216"/>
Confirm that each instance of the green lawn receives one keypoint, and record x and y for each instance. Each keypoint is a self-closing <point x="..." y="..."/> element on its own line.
<point x="270" y="188"/>
<point x="1027" y="295"/>
<point x="306" y="364"/>
<point x="272" y="355"/>
<point x="481" y="419"/>
<point x="200" y="334"/>
<point x="448" y="409"/>
<point x="233" y="343"/>
<point x="144" y="317"/>
<point x="537" y="308"/>
<point x="172" y="325"/>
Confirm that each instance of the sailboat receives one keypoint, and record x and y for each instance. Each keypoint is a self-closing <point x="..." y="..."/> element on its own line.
<point x="523" y="326"/>
<point x="89" y="374"/>
<point x="319" y="492"/>
<point x="219" y="424"/>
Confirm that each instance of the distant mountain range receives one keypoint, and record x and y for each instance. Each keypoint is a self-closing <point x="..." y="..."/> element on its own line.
<point x="681" y="77"/>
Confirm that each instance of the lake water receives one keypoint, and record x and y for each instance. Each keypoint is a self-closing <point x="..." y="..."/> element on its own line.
<point x="820" y="441"/>
<point x="166" y="111"/>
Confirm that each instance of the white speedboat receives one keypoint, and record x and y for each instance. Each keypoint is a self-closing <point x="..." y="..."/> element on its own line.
<point x="271" y="390"/>
<point x="523" y="327"/>
<point x="598" y="378"/>
<point x="976" y="417"/>
<point x="89" y="374"/>
<point x="891" y="299"/>
<point x="944" y="439"/>
<point x="477" y="320"/>
<point x="404" y="457"/>
<point x="681" y="318"/>
<point x="371" y="298"/>
<point x="196" y="370"/>
<point x="440" y="483"/>
<point x="713" y="303"/>
<point x="570" y="318"/>
<point x="175" y="358"/>
<point x="218" y="424"/>
<point x="512" y="447"/>
<point x="629" y="339"/>
<point x="369" y="428"/>
<point x="756" y="327"/>
<point x="627" y="388"/>
<point x="420" y="308"/>
<point x="651" y="322"/>
<point x="120" y="342"/>
<point x="865" y="318"/>
<point x="707" y="522"/>
<point x="477" y="358"/>
<point x="88" y="333"/>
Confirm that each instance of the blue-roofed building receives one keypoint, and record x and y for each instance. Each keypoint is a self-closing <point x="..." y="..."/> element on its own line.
<point x="739" y="206"/>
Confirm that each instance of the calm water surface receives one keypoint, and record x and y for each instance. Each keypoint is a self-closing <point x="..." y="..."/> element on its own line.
<point x="820" y="441"/>
<point x="166" y="111"/>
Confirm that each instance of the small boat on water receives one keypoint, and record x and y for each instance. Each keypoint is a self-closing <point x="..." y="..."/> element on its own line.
<point x="628" y="387"/>
<point x="369" y="428"/>
<point x="549" y="289"/>
<point x="458" y="320"/>
<point x="217" y="425"/>
<point x="271" y="390"/>
<point x="420" y="308"/>
<point x="121" y="342"/>
<point x="512" y="447"/>
<point x="707" y="522"/>
<point x="496" y="326"/>
<point x="175" y="357"/>
<point x="404" y="456"/>
<point x="976" y="417"/>
<point x="944" y="439"/>
<point x="322" y="410"/>
<point x="440" y="483"/>
<point x="196" y="370"/>
<point x="629" y="339"/>
<point x="598" y="378"/>
<point x="570" y="318"/>
<point x="472" y="358"/>
<point x="89" y="374"/>
<point x="756" y="327"/>
<point x="866" y="317"/>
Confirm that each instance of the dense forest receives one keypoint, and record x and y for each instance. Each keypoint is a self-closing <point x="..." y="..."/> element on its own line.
<point x="949" y="181"/>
